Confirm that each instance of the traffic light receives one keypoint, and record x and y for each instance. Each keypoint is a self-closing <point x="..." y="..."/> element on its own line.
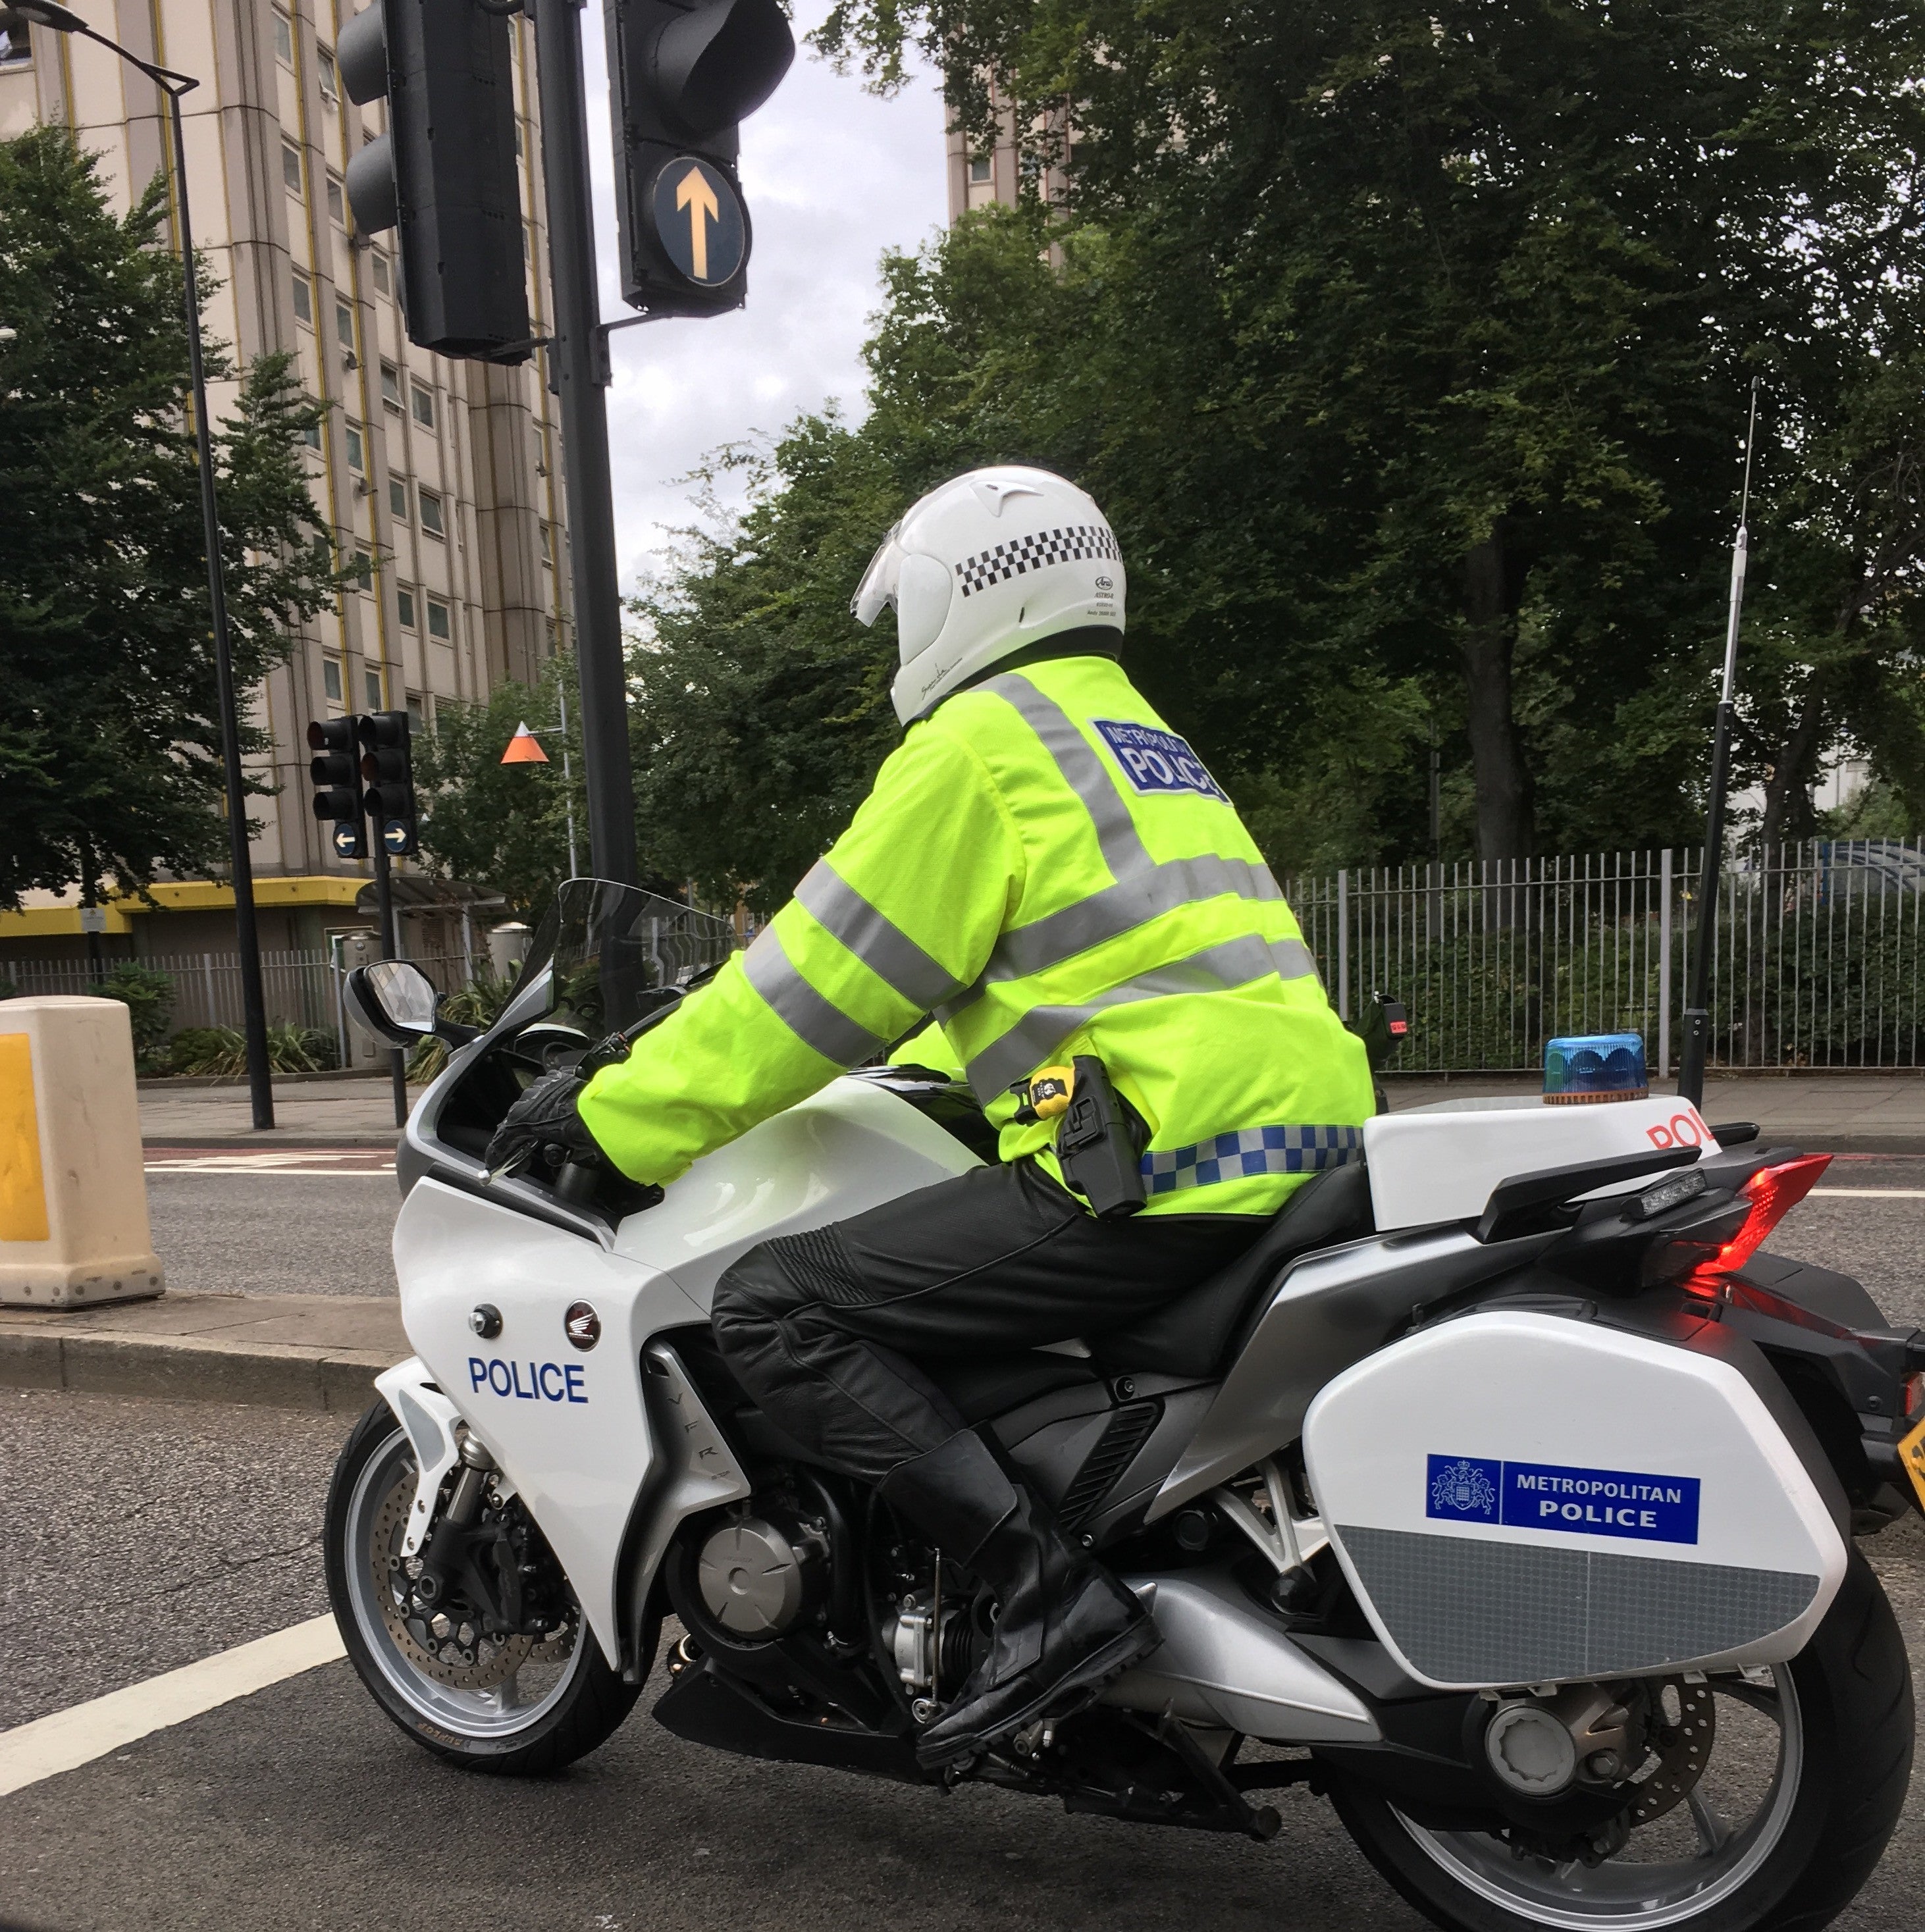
<point x="444" y="173"/>
<point x="684" y="72"/>
<point x="335" y="770"/>
<point x="387" y="772"/>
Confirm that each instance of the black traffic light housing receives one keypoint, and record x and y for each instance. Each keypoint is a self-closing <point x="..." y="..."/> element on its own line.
<point x="444" y="173"/>
<point x="335" y="771"/>
<point x="387" y="774"/>
<point x="684" y="73"/>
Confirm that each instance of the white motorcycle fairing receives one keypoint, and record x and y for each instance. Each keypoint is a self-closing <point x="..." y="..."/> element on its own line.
<point x="569" y="1425"/>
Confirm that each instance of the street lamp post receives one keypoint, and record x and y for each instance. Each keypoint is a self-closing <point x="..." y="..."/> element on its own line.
<point x="60" y="20"/>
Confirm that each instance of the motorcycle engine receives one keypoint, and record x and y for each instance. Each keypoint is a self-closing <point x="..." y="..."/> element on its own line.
<point x="758" y="1577"/>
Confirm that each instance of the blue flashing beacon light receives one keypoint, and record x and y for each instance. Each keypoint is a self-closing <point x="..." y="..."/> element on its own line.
<point x="1593" y="1066"/>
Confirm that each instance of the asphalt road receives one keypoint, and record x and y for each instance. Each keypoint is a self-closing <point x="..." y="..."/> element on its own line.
<point x="275" y="1234"/>
<point x="136" y="1536"/>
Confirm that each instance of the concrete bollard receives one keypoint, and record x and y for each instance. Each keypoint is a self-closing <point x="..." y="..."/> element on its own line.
<point x="74" y="1229"/>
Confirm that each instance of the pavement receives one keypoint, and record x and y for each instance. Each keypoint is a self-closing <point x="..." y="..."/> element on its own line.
<point x="346" y="1113"/>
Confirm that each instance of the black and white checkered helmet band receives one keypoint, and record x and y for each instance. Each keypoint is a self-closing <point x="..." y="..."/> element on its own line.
<point x="1069" y="545"/>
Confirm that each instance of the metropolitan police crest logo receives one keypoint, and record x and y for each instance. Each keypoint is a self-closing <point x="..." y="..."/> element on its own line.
<point x="1462" y="1488"/>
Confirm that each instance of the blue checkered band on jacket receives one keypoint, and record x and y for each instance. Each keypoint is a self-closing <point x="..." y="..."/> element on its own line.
<point x="1250" y="1150"/>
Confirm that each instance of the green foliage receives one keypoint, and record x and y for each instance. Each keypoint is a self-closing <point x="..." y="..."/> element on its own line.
<point x="1407" y="348"/>
<point x="110" y="740"/>
<point x="504" y="826"/>
<point x="148" y="995"/>
<point x="221" y="1052"/>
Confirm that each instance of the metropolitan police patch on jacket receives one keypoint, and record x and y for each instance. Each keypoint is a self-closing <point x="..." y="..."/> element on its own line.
<point x="1153" y="760"/>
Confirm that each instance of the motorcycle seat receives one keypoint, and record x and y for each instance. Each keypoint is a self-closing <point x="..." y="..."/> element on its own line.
<point x="1191" y="1335"/>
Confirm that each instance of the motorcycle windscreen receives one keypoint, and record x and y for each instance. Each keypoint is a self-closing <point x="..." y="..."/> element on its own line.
<point x="615" y="948"/>
<point x="1519" y="1498"/>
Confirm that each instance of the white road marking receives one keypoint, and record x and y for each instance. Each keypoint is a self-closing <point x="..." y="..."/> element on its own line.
<point x="236" y="1167"/>
<point x="70" y="1738"/>
<point x="1876" y="1193"/>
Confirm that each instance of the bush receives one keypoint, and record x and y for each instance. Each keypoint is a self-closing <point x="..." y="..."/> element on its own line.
<point x="148" y="996"/>
<point x="221" y="1052"/>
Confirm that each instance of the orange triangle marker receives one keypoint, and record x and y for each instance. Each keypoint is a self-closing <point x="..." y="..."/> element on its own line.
<point x="524" y="748"/>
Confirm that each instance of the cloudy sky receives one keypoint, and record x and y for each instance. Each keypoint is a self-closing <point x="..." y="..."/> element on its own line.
<point x="834" y="176"/>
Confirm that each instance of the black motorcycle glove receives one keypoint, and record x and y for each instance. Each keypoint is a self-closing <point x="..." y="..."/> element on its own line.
<point x="545" y="1117"/>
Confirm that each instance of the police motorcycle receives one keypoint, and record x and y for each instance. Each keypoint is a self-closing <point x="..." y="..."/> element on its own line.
<point x="1505" y="1493"/>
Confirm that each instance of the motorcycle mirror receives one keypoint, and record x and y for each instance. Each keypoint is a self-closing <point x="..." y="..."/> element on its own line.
<point x="393" y="1001"/>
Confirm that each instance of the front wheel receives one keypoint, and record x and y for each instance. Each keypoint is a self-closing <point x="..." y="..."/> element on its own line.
<point x="1776" y="1831"/>
<point x="515" y="1705"/>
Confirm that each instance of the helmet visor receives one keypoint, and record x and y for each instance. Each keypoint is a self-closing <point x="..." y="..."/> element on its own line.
<point x="877" y="591"/>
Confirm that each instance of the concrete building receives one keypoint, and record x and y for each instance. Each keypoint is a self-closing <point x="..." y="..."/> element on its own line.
<point x="980" y="176"/>
<point x="443" y="477"/>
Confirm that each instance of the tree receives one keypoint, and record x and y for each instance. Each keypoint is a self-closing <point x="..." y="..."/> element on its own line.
<point x="503" y="825"/>
<point x="110" y="762"/>
<point x="1411" y="342"/>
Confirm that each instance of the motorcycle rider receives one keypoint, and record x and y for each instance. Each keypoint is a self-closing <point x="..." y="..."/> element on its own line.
<point x="1047" y="869"/>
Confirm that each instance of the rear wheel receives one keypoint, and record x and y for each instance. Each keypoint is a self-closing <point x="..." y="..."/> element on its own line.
<point x="515" y="1705"/>
<point x="1804" y="1769"/>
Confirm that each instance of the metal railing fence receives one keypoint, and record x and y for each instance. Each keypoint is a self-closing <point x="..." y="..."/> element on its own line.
<point x="1820" y="958"/>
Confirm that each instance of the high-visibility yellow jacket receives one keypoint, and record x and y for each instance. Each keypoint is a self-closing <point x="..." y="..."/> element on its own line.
<point x="1047" y="868"/>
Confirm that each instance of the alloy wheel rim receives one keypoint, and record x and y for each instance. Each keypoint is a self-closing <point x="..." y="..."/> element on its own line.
<point x="1643" y="1894"/>
<point x="464" y="1702"/>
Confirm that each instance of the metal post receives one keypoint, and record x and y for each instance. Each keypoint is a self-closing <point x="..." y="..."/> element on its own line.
<point x="384" y="906"/>
<point x="1697" y="1015"/>
<point x="567" y="777"/>
<point x="1664" y="963"/>
<point x="1343" y="943"/>
<point x="578" y="375"/>
<point x="246" y="938"/>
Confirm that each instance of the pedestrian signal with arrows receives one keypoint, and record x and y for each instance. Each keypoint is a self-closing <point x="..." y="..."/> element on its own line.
<point x="685" y="74"/>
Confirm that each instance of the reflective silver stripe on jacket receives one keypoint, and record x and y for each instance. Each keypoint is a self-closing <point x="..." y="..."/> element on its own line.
<point x="1144" y="889"/>
<point x="1040" y="1031"/>
<point x="882" y="945"/>
<point x="1249" y="1150"/>
<point x="816" y="1021"/>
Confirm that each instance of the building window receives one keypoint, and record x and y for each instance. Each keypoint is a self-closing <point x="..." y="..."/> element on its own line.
<point x="364" y="568"/>
<point x="290" y="166"/>
<point x="404" y="606"/>
<point x="304" y="301"/>
<point x="547" y="544"/>
<point x="517" y="137"/>
<point x="554" y="637"/>
<point x="424" y="407"/>
<point x="284" y="37"/>
<point x="337" y="205"/>
<point x="390" y="382"/>
<point x="356" y="455"/>
<point x="979" y="167"/>
<point x="438" y="624"/>
<point x="371" y="682"/>
<point x="430" y="512"/>
<point x="331" y="682"/>
<point x="330" y="88"/>
<point x="15" y="46"/>
<point x="417" y="711"/>
<point x="344" y="323"/>
<point x="381" y="281"/>
<point x="398" y="498"/>
<point x="310" y="434"/>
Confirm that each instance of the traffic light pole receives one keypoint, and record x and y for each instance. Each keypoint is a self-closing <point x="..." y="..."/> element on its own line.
<point x="576" y="364"/>
<point x="384" y="910"/>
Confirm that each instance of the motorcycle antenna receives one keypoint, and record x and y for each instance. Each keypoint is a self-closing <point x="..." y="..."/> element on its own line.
<point x="1697" y="1016"/>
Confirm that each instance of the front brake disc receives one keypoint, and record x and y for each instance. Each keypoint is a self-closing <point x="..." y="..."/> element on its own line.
<point x="480" y="1663"/>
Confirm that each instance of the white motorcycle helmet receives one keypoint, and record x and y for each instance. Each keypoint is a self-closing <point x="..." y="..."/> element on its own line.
<point x="984" y="567"/>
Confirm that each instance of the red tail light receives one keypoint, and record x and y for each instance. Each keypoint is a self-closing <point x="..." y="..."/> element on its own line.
<point x="1773" y="1192"/>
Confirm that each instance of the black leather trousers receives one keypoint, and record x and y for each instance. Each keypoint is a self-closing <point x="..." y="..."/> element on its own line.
<point x="826" y="1330"/>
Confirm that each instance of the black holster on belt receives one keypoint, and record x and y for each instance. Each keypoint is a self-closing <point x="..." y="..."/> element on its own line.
<point x="1100" y="1141"/>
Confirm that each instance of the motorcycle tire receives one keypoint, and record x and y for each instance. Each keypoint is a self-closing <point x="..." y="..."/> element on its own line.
<point x="1844" y="1762"/>
<point x="483" y="1729"/>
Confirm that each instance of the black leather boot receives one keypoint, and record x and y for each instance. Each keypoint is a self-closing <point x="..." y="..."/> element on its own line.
<point x="1065" y="1626"/>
